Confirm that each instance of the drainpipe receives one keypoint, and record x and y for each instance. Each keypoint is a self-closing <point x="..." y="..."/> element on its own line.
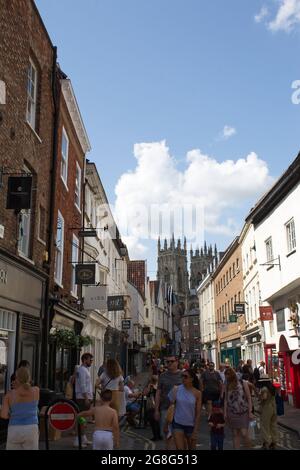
<point x="48" y="303"/>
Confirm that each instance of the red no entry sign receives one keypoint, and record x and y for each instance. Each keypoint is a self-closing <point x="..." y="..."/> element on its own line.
<point x="62" y="416"/>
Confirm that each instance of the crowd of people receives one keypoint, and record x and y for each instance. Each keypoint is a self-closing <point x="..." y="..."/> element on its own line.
<point x="173" y="402"/>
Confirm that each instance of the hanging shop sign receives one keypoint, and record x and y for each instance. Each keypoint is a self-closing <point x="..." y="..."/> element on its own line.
<point x="95" y="298"/>
<point x="126" y="324"/>
<point x="19" y="192"/>
<point x="85" y="274"/>
<point x="115" y="302"/>
<point x="146" y="330"/>
<point x="239" y="309"/>
<point x="87" y="233"/>
<point x="266" y="313"/>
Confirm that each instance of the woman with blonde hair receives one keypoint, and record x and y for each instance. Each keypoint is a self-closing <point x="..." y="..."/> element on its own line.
<point x="20" y="406"/>
<point x="112" y="379"/>
<point x="237" y="407"/>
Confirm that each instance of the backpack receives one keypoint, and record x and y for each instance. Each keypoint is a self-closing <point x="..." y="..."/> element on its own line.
<point x="279" y="405"/>
<point x="256" y="374"/>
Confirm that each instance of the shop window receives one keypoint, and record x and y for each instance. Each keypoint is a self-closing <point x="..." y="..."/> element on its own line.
<point x="280" y="320"/>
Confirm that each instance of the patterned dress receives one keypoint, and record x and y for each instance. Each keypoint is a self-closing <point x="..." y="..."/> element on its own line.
<point x="237" y="407"/>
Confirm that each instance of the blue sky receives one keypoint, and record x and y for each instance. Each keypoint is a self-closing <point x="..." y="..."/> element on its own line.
<point x="180" y="71"/>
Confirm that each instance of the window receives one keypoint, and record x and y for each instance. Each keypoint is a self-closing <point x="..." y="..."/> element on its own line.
<point x="290" y="235"/>
<point x="269" y="249"/>
<point x="75" y="257"/>
<point x="233" y="269"/>
<point x="147" y="313"/>
<point x="64" y="156"/>
<point x="230" y="274"/>
<point x="280" y="320"/>
<point x="226" y="277"/>
<point x="78" y="186"/>
<point x="59" y="249"/>
<point x="237" y="265"/>
<point x="42" y="224"/>
<point x="31" y="94"/>
<point x="24" y="232"/>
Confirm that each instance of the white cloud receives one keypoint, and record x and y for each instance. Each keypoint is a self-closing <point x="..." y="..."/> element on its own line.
<point x="261" y="15"/>
<point x="228" y="132"/>
<point x="287" y="17"/>
<point x="220" y="187"/>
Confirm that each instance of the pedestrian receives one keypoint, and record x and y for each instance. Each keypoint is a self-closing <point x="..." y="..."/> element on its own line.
<point x="132" y="405"/>
<point x="167" y="380"/>
<point x="268" y="417"/>
<point x="20" y="406"/>
<point x="239" y="369"/>
<point x="84" y="390"/>
<point x="187" y="399"/>
<point x="150" y="392"/>
<point x="211" y="386"/>
<point x="112" y="379"/>
<point x="258" y="372"/>
<point x="216" y="422"/>
<point x="101" y="369"/>
<point x="237" y="407"/>
<point x="22" y="363"/>
<point x="106" y="435"/>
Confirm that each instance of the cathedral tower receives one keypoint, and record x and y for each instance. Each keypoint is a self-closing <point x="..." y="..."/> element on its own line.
<point x="172" y="267"/>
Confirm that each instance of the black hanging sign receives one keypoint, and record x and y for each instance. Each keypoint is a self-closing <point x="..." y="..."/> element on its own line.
<point x="19" y="192"/>
<point x="115" y="302"/>
<point x="239" y="308"/>
<point x="85" y="274"/>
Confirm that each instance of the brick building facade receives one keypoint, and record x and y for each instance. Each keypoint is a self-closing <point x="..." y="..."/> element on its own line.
<point x="228" y="287"/>
<point x="65" y="306"/>
<point x="27" y="57"/>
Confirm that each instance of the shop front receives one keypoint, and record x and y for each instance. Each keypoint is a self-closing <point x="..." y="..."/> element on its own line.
<point x="21" y="312"/>
<point x="114" y="346"/>
<point x="64" y="352"/>
<point x="254" y="345"/>
<point x="230" y="352"/>
<point x="284" y="368"/>
<point x="95" y="327"/>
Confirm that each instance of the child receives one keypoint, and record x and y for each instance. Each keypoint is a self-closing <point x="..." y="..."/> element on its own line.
<point x="216" y="422"/>
<point x="106" y="434"/>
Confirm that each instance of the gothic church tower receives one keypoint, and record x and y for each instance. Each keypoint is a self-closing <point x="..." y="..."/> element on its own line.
<point x="172" y="268"/>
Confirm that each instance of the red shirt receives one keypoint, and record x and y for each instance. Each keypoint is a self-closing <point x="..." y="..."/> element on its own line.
<point x="217" y="418"/>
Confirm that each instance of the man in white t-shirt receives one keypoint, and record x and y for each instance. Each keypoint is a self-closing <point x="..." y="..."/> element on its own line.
<point x="84" y="389"/>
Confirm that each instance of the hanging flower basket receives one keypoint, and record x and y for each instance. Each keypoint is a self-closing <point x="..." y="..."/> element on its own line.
<point x="67" y="339"/>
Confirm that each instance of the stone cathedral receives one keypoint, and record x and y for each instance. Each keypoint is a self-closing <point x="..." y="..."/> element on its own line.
<point x="172" y="268"/>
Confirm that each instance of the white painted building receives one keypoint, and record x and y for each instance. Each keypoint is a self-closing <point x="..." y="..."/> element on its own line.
<point x="137" y="315"/>
<point x="111" y="272"/>
<point x="253" y="336"/>
<point x="276" y="219"/>
<point x="208" y="331"/>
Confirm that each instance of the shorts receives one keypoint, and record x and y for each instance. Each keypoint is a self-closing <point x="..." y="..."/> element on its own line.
<point x="103" y="440"/>
<point x="23" y="437"/>
<point x="210" y="396"/>
<point x="187" y="430"/>
<point x="132" y="407"/>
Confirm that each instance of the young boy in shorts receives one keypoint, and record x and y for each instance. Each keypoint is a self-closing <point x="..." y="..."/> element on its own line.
<point x="106" y="434"/>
